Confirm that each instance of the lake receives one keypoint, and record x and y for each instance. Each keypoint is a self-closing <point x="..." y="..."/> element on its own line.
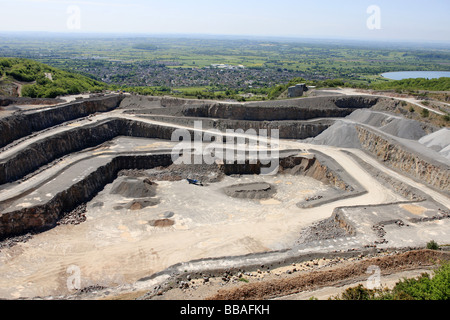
<point x="416" y="74"/>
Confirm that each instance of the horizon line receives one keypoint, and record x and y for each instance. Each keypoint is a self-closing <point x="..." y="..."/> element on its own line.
<point x="254" y="36"/>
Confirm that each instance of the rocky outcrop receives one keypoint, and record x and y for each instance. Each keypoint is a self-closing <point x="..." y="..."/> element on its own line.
<point x="399" y="157"/>
<point x="24" y="124"/>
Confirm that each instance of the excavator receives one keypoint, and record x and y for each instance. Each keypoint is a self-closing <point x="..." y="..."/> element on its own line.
<point x="195" y="182"/>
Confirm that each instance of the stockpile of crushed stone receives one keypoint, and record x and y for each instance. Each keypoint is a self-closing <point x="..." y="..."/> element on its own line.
<point x="438" y="141"/>
<point x="341" y="134"/>
<point x="130" y="187"/>
<point x="393" y="125"/>
<point x="371" y="118"/>
<point x="258" y="190"/>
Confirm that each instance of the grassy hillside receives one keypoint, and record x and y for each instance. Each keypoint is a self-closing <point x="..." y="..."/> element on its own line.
<point x="38" y="80"/>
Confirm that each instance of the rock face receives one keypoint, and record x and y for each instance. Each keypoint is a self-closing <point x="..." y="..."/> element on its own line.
<point x="399" y="157"/>
<point x="286" y="129"/>
<point x="282" y="110"/>
<point x="21" y="125"/>
<point x="324" y="170"/>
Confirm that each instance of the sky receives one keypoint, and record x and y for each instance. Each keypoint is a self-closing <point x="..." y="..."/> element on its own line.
<point x="391" y="20"/>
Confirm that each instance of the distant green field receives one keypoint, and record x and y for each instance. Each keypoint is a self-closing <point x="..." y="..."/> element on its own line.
<point x="348" y="61"/>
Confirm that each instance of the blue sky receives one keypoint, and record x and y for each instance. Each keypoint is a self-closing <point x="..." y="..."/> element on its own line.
<point x="345" y="19"/>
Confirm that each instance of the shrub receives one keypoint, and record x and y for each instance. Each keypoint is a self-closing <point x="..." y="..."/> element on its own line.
<point x="432" y="245"/>
<point x="425" y="113"/>
<point x="358" y="293"/>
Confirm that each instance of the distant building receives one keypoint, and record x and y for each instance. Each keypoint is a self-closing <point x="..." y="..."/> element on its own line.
<point x="297" y="90"/>
<point x="227" y="66"/>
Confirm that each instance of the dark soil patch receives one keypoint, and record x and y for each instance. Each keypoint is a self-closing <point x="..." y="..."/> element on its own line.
<point x="162" y="223"/>
<point x="141" y="204"/>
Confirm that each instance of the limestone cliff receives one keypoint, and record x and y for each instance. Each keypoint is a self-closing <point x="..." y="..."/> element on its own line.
<point x="398" y="157"/>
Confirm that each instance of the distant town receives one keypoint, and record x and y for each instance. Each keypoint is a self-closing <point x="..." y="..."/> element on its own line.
<point x="166" y="74"/>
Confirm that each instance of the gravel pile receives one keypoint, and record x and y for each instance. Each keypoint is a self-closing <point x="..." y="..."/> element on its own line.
<point x="393" y="125"/>
<point x="341" y="134"/>
<point x="438" y="141"/>
<point x="130" y="187"/>
<point x="75" y="217"/>
<point x="11" y="242"/>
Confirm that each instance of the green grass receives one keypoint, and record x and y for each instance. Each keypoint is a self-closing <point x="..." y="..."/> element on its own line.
<point x="425" y="287"/>
<point x="38" y="85"/>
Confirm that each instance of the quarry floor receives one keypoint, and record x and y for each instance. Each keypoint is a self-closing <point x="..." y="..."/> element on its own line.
<point x="118" y="248"/>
